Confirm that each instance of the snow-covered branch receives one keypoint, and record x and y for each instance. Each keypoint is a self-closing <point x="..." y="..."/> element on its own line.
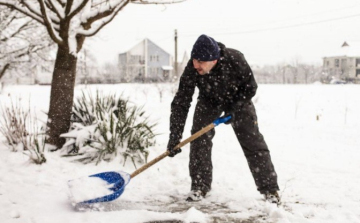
<point x="103" y="18"/>
<point x="31" y="7"/>
<point x="54" y="7"/>
<point x="22" y="9"/>
<point x="61" y="2"/>
<point x="8" y="18"/>
<point x="102" y="12"/>
<point x="78" y="8"/>
<point x="17" y="31"/>
<point x="48" y="24"/>
<point x="36" y="10"/>
<point x="15" y="53"/>
<point x="22" y="40"/>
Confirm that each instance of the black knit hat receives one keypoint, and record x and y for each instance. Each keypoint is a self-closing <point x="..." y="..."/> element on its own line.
<point x="205" y="49"/>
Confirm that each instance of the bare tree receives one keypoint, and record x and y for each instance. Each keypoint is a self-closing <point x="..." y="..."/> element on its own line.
<point x="295" y="69"/>
<point x="22" y="41"/>
<point x="68" y="23"/>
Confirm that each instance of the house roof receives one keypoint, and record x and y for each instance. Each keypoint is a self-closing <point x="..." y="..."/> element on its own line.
<point x="135" y="45"/>
<point x="349" y="49"/>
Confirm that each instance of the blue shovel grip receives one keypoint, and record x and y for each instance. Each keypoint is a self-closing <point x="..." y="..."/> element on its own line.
<point x="221" y="120"/>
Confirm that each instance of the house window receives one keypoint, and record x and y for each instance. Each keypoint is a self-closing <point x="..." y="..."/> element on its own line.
<point x="357" y="72"/>
<point x="154" y="58"/>
<point x="336" y="62"/>
<point x="357" y="63"/>
<point x="135" y="58"/>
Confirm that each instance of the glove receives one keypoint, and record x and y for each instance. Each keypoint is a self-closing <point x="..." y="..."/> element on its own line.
<point x="232" y="114"/>
<point x="171" y="146"/>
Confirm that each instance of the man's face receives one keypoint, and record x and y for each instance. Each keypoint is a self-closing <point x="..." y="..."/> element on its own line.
<point x="203" y="67"/>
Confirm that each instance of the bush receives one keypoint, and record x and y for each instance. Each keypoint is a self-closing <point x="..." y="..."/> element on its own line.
<point x="21" y="130"/>
<point x="105" y="126"/>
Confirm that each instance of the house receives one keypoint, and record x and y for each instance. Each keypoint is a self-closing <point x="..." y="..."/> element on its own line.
<point x="27" y="74"/>
<point x="41" y="74"/>
<point x="344" y="63"/>
<point x="145" y="62"/>
<point x="87" y="71"/>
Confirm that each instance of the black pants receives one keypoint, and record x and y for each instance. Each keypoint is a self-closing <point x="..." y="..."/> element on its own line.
<point x="251" y="140"/>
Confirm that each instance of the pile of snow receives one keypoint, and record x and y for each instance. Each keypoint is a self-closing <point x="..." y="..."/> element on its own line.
<point x="194" y="215"/>
<point x="88" y="188"/>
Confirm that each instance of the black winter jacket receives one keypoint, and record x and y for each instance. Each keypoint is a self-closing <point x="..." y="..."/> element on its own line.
<point x="230" y="81"/>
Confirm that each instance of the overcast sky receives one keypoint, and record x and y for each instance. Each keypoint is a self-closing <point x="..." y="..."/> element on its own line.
<point x="266" y="31"/>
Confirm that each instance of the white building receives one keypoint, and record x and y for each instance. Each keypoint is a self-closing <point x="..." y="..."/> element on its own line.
<point x="146" y="62"/>
<point x="344" y="63"/>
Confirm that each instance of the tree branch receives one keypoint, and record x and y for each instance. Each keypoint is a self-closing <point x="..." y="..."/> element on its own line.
<point x="4" y="69"/>
<point x="69" y="4"/>
<point x="48" y="24"/>
<point x="104" y="13"/>
<point x="38" y="48"/>
<point x="26" y="12"/>
<point x="61" y="3"/>
<point x="34" y="10"/>
<point x="30" y="8"/>
<point x="10" y="16"/>
<point x="78" y="9"/>
<point x="17" y="51"/>
<point x="21" y="28"/>
<point x="53" y="8"/>
<point x="32" y="49"/>
<point x="109" y="13"/>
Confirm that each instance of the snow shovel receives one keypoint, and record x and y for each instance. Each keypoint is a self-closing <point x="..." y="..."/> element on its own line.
<point x="116" y="181"/>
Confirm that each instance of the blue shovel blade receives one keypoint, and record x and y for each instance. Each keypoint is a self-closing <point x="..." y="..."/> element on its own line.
<point x="117" y="179"/>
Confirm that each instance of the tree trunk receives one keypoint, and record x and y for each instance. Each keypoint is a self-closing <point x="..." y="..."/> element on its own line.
<point x="61" y="97"/>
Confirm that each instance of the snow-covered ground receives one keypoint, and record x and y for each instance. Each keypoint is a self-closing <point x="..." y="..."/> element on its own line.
<point x="311" y="130"/>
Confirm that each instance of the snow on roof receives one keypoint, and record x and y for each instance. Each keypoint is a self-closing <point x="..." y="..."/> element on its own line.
<point x="167" y="67"/>
<point x="142" y="42"/>
<point x="349" y="49"/>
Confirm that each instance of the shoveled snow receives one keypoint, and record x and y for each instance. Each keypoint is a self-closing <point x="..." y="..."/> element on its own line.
<point x="87" y="188"/>
<point x="312" y="132"/>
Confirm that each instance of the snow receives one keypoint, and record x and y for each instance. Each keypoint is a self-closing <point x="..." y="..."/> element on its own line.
<point x="88" y="188"/>
<point x="312" y="132"/>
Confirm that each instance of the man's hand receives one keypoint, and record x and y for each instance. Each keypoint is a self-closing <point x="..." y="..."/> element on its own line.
<point x="232" y="114"/>
<point x="172" y="151"/>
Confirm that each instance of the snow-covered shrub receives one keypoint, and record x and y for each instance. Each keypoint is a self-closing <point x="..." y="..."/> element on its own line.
<point x="105" y="126"/>
<point x="22" y="132"/>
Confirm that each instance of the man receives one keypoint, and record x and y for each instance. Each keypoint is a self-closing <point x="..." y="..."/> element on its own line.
<point x="226" y="84"/>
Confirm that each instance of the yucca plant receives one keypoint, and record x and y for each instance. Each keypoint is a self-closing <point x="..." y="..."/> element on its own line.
<point x="13" y="123"/>
<point x="22" y="132"/>
<point x="105" y="126"/>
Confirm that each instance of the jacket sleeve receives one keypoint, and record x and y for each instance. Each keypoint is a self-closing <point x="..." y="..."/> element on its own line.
<point x="181" y="104"/>
<point x="247" y="85"/>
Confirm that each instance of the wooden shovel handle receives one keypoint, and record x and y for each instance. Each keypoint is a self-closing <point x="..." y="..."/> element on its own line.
<point x="178" y="146"/>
